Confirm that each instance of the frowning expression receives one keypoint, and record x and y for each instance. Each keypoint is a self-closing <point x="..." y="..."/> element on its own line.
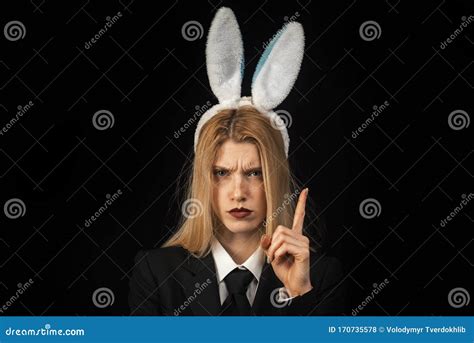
<point x="238" y="190"/>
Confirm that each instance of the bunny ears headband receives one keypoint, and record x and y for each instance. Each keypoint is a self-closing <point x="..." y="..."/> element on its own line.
<point x="272" y="80"/>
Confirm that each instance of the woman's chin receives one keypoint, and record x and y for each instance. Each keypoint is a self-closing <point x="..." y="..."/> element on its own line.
<point x="241" y="227"/>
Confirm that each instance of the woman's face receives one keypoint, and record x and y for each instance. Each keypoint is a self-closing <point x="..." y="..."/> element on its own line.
<point x="238" y="184"/>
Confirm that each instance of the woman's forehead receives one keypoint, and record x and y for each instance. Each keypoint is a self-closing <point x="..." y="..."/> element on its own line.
<point x="231" y="154"/>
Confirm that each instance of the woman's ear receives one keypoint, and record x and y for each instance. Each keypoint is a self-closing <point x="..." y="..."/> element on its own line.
<point x="278" y="67"/>
<point x="225" y="56"/>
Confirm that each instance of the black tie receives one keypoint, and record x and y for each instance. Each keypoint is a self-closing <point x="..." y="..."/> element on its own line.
<point x="237" y="303"/>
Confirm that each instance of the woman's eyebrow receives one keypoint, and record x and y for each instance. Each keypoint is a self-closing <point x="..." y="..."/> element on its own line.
<point x="216" y="167"/>
<point x="257" y="168"/>
<point x="232" y="169"/>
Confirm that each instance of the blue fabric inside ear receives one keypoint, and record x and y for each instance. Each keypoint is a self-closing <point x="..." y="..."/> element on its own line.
<point x="266" y="53"/>
<point x="242" y="67"/>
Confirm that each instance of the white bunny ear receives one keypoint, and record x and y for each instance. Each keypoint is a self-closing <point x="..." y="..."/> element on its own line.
<point x="278" y="67"/>
<point x="224" y="56"/>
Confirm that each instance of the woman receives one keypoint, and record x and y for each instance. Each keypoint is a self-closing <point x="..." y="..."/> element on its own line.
<point x="240" y="249"/>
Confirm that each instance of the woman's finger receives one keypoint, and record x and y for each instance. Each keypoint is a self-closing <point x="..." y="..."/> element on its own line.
<point x="300" y="212"/>
<point x="265" y="241"/>
<point x="290" y="232"/>
<point x="291" y="249"/>
<point x="282" y="239"/>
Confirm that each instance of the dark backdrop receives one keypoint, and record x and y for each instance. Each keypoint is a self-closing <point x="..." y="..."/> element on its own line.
<point x="412" y="161"/>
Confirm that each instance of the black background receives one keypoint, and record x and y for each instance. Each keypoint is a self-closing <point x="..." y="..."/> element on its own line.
<point x="151" y="79"/>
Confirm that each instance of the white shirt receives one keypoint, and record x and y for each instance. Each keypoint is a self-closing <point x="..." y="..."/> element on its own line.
<point x="225" y="264"/>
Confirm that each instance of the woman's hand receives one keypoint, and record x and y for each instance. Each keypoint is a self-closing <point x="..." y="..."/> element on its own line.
<point x="288" y="252"/>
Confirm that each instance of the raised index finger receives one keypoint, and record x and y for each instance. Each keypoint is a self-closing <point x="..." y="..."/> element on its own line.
<point x="300" y="211"/>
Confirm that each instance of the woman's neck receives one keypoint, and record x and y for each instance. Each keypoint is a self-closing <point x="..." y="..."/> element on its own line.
<point x="240" y="246"/>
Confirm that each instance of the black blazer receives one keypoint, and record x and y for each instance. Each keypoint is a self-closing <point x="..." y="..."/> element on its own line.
<point x="165" y="281"/>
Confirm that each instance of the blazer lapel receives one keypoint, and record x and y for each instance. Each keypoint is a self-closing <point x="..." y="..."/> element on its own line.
<point x="202" y="290"/>
<point x="267" y="289"/>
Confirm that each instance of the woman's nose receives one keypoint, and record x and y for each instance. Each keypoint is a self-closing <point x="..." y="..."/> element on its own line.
<point x="238" y="192"/>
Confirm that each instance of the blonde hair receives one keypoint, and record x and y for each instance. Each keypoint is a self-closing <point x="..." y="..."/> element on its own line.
<point x="248" y="125"/>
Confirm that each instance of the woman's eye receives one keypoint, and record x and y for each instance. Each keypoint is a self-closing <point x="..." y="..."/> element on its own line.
<point x="256" y="173"/>
<point x="220" y="172"/>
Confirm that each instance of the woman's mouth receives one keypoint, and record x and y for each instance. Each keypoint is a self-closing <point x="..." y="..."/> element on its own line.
<point x="240" y="213"/>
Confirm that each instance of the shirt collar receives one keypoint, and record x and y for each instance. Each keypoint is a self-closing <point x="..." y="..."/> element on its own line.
<point x="225" y="264"/>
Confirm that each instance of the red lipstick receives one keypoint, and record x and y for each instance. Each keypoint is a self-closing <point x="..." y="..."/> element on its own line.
<point x="240" y="213"/>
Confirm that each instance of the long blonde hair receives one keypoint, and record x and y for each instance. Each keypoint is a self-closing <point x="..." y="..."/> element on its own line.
<point x="244" y="124"/>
